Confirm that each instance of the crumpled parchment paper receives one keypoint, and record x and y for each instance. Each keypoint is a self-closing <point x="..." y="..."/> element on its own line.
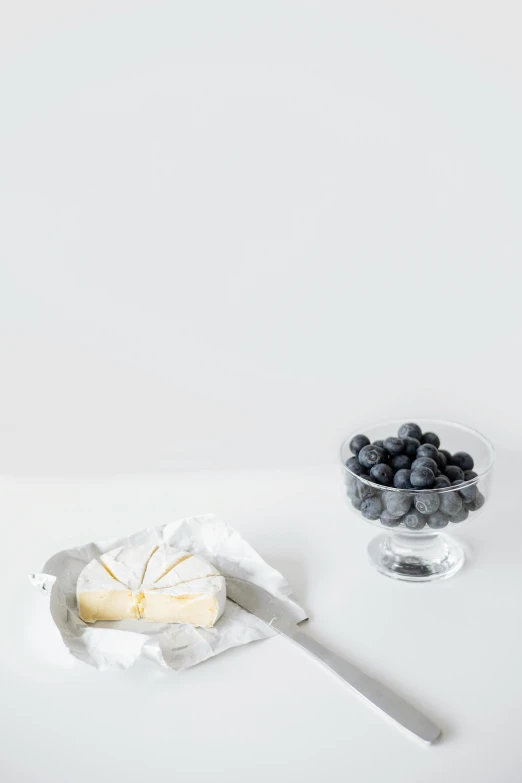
<point x="118" y="645"/>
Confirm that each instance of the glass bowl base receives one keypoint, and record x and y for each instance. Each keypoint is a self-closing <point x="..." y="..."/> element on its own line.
<point x="416" y="558"/>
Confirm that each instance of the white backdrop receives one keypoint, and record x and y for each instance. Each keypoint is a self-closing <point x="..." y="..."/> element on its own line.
<point x="232" y="231"/>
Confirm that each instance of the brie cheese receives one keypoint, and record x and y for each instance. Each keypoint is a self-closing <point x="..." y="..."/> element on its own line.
<point x="187" y="569"/>
<point x="127" y="564"/>
<point x="198" y="602"/>
<point x="159" y="584"/>
<point x="101" y="597"/>
<point x="163" y="559"/>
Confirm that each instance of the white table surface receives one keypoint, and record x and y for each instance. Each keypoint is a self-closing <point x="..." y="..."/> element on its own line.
<point x="266" y="711"/>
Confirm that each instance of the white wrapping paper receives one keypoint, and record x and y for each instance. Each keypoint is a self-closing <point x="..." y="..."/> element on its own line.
<point x="119" y="645"/>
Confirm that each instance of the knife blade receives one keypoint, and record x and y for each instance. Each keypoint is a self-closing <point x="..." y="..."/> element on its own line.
<point x="272" y="611"/>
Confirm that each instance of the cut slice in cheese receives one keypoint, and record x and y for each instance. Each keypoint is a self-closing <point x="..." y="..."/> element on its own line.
<point x="101" y="597"/>
<point x="189" y="568"/>
<point x="159" y="584"/>
<point x="162" y="561"/>
<point x="198" y="602"/>
<point x="127" y="564"/>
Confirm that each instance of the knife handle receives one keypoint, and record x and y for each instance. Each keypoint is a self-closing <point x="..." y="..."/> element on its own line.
<point x="378" y="694"/>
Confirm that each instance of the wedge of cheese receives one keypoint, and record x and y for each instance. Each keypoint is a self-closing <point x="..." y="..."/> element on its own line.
<point x="156" y="583"/>
<point x="127" y="564"/>
<point x="101" y="597"/>
<point x="162" y="561"/>
<point x="198" y="602"/>
<point x="181" y="567"/>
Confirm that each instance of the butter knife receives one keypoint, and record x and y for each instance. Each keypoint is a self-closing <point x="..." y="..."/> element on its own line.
<point x="273" y="612"/>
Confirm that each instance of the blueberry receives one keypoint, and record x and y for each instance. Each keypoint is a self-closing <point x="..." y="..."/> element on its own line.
<point x="426" y="504"/>
<point x="463" y="460"/>
<point x="410" y="430"/>
<point x="379" y="443"/>
<point x="371" y="455"/>
<point x="441" y="481"/>
<point x="450" y="502"/>
<point x="371" y="508"/>
<point x="453" y="472"/>
<point x="382" y="474"/>
<point x="389" y="520"/>
<point x="394" y="446"/>
<point x="461" y="515"/>
<point x="364" y="491"/>
<point x="438" y="519"/>
<point x="447" y="455"/>
<point x="400" y="462"/>
<point x="468" y="494"/>
<point x="357" y="442"/>
<point x="410" y="447"/>
<point x="427" y="450"/>
<point x="470" y="474"/>
<point x="355" y="466"/>
<point x="477" y="503"/>
<point x="401" y="480"/>
<point x="397" y="503"/>
<point x="424" y="462"/>
<point x="413" y="520"/>
<point x="356" y="503"/>
<point x="441" y="461"/>
<point x="422" y="478"/>
<point x="430" y="437"/>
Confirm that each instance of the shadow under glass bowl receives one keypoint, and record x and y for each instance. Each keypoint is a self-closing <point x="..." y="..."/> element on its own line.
<point x="421" y="552"/>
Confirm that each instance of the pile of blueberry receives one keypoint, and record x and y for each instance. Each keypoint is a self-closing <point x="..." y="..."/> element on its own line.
<point x="413" y="461"/>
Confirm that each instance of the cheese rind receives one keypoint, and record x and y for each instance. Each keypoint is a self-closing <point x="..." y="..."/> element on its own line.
<point x="162" y="561"/>
<point x="128" y="564"/>
<point x="189" y="568"/>
<point x="200" y="602"/>
<point x="101" y="597"/>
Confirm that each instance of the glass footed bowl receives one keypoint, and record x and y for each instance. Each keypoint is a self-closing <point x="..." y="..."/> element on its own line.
<point x="425" y="553"/>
